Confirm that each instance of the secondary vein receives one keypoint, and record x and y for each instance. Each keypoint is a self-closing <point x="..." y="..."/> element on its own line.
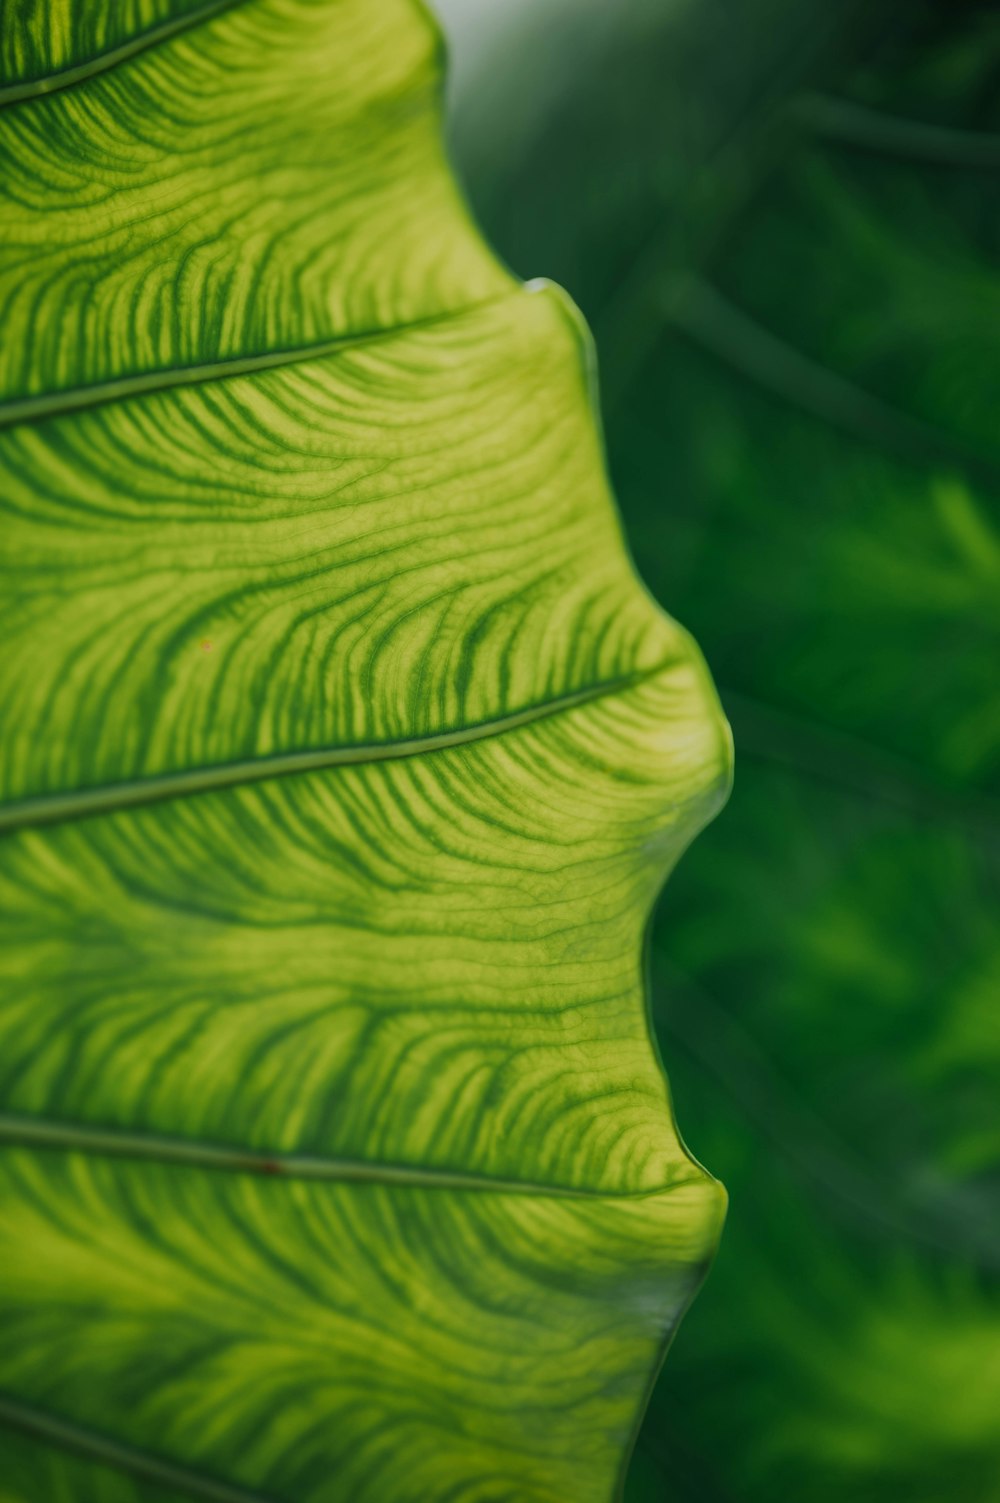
<point x="78" y="803"/>
<point x="34" y="409"/>
<point x="65" y="78"/>
<point x="103" y="1448"/>
<point x="37" y="1132"/>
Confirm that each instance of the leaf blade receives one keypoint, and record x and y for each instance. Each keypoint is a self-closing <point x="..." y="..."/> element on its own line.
<point x="332" y="1125"/>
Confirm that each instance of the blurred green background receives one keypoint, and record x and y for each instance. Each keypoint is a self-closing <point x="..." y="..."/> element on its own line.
<point x="782" y="220"/>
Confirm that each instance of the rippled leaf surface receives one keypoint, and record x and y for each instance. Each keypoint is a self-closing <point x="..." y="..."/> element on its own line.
<point x="343" y="757"/>
<point x="795" y="288"/>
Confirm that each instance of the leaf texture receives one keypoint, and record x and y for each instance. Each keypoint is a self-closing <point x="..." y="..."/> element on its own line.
<point x="343" y="758"/>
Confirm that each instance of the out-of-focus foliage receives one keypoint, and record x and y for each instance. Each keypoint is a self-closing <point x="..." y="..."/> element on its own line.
<point x="784" y="222"/>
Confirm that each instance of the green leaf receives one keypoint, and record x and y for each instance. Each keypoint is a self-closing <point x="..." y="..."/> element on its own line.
<point x="343" y="758"/>
<point x="795" y="290"/>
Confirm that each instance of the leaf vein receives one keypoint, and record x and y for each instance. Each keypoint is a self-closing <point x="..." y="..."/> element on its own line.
<point x="42" y="405"/>
<point x="102" y="62"/>
<point x="107" y="798"/>
<point x="73" y="1137"/>
<point x="102" y="1448"/>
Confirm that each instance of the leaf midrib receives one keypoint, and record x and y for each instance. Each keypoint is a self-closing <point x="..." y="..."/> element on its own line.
<point x="109" y="798"/>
